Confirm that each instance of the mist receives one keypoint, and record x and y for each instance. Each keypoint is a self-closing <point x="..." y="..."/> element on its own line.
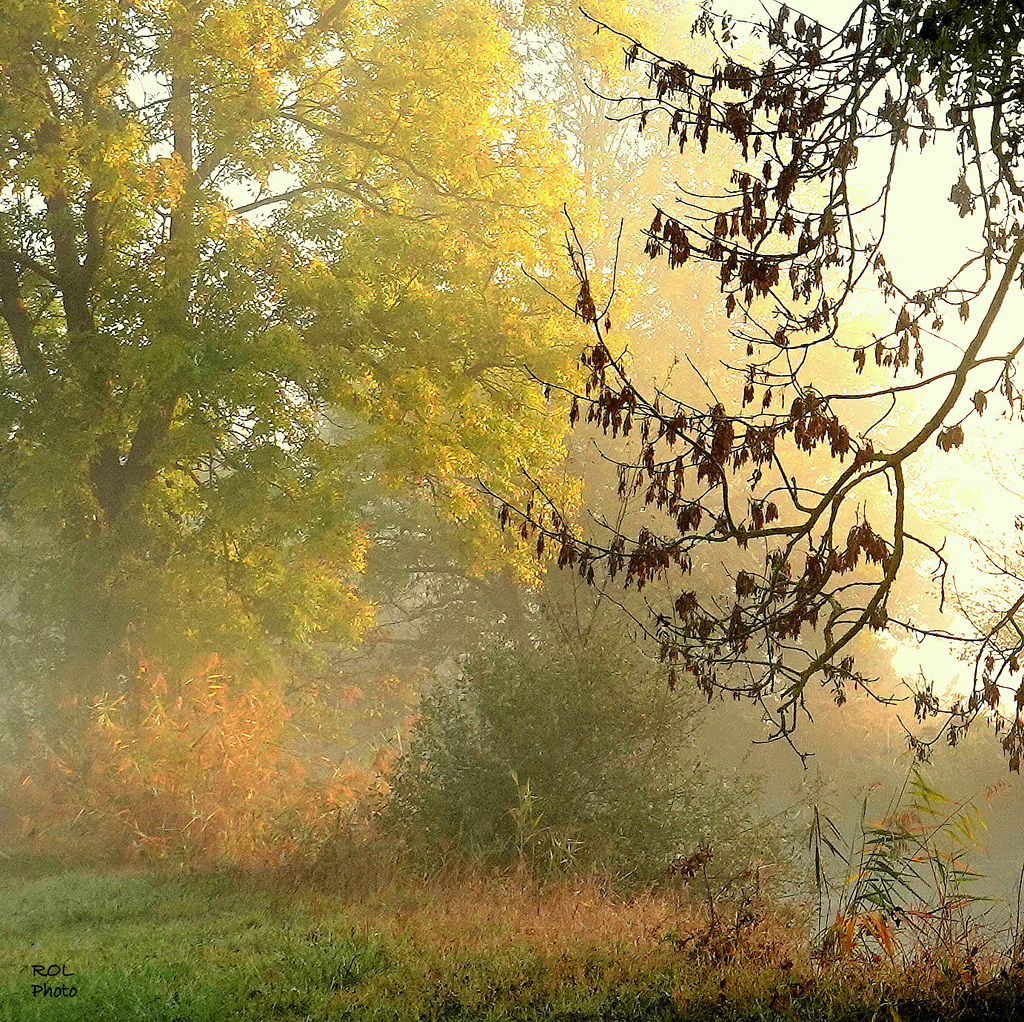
<point x="506" y="507"/>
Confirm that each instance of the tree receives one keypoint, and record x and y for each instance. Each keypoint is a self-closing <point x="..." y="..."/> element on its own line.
<point x="437" y="585"/>
<point x="791" y="498"/>
<point x="251" y="257"/>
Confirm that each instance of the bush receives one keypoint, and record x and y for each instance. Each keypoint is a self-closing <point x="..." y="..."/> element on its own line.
<point x="193" y="769"/>
<point x="569" y="755"/>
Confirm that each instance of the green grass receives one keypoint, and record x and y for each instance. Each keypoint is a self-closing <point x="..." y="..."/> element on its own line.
<point x="161" y="947"/>
<point x="165" y="947"/>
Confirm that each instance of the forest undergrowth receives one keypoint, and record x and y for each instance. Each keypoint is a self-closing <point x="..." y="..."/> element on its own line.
<point x="358" y="933"/>
<point x="180" y="864"/>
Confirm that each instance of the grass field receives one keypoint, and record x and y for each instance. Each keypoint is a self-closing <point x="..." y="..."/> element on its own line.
<point x="163" y="946"/>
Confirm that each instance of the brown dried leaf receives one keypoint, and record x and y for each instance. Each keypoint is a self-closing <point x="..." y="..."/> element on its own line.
<point x="950" y="437"/>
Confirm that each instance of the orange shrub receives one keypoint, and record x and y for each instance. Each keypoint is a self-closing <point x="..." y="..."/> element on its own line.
<point x="196" y="770"/>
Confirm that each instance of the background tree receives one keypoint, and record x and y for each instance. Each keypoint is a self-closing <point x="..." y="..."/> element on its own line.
<point x="251" y="257"/>
<point x="436" y="583"/>
<point x="806" y="485"/>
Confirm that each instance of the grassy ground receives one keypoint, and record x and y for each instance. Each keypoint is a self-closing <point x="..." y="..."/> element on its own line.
<point x="144" y="947"/>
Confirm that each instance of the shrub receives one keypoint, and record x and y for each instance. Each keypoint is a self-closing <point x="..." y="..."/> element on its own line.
<point x="569" y="755"/>
<point x="193" y="769"/>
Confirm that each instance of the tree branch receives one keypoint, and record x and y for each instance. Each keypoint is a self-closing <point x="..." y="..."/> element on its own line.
<point x="12" y="308"/>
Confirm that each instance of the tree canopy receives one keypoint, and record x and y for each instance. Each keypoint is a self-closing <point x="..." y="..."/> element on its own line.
<point x="254" y="257"/>
<point x="778" y="525"/>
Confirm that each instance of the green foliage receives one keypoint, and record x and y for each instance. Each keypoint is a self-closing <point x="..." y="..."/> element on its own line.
<point x="252" y="256"/>
<point x="571" y="753"/>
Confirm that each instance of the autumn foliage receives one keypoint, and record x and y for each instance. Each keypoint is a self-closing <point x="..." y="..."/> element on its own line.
<point x="196" y="769"/>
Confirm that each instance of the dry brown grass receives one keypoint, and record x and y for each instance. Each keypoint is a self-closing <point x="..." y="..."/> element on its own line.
<point x="466" y="907"/>
<point x="468" y="935"/>
<point x="474" y="934"/>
